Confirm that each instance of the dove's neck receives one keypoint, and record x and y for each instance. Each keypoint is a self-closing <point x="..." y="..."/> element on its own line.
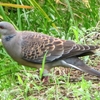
<point x="9" y="37"/>
<point x="12" y="44"/>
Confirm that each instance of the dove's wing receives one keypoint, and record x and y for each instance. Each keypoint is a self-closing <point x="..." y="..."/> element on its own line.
<point x="77" y="50"/>
<point x="35" y="45"/>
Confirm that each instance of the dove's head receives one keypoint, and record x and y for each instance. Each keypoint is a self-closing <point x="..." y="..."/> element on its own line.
<point x="6" y="28"/>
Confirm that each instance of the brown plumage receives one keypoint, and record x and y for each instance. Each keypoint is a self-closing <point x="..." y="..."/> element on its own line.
<point x="28" y="48"/>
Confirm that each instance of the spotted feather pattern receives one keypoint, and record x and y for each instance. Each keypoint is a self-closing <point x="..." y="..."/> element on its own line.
<point x="35" y="45"/>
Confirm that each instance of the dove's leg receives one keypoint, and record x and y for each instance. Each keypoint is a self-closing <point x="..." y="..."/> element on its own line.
<point x="45" y="79"/>
<point x="76" y="63"/>
<point x="45" y="76"/>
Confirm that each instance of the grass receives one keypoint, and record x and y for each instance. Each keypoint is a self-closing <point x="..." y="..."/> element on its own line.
<point x="67" y="20"/>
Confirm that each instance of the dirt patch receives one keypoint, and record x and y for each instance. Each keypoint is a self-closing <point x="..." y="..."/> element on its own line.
<point x="76" y="75"/>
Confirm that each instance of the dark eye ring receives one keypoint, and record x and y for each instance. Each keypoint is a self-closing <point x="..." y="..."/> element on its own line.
<point x="1" y="27"/>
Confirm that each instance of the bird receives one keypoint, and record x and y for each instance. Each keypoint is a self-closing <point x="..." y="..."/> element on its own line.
<point x="28" y="48"/>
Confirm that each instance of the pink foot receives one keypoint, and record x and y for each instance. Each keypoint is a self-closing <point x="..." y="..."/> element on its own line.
<point x="45" y="79"/>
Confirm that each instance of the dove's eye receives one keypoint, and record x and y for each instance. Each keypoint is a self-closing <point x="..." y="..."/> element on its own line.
<point x="1" y="27"/>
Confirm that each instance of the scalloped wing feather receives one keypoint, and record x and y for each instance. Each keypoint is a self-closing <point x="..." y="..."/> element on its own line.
<point x="35" y="45"/>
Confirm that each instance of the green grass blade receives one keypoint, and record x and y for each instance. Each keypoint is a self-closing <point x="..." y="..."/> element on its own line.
<point x="43" y="65"/>
<point x="71" y="12"/>
<point x="2" y="12"/>
<point x="35" y="4"/>
<point x="19" y="16"/>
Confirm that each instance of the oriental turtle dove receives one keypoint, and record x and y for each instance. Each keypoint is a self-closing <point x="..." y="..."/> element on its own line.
<point x="28" y="48"/>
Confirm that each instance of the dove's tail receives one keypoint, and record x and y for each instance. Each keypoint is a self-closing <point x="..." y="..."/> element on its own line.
<point x="80" y="65"/>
